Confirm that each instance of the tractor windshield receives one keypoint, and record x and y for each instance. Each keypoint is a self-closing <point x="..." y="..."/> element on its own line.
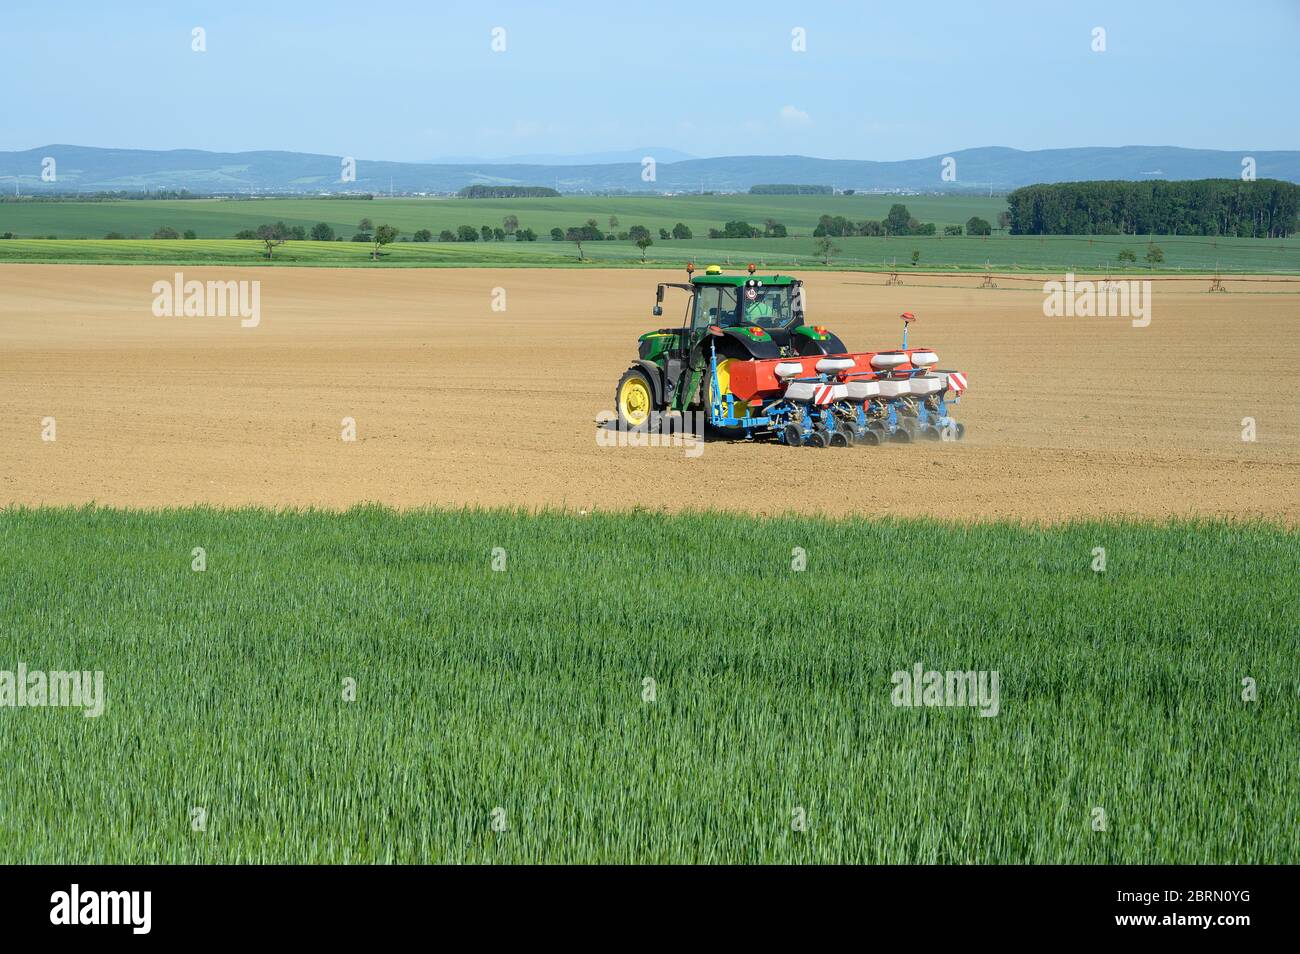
<point x="767" y="306"/>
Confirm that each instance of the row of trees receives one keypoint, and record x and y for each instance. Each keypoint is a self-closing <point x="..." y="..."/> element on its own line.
<point x="638" y="235"/>
<point x="786" y="188"/>
<point x="591" y="232"/>
<point x="507" y="192"/>
<point x="899" y="221"/>
<point x="277" y="233"/>
<point x="742" y="229"/>
<point x="487" y="233"/>
<point x="1263" y="208"/>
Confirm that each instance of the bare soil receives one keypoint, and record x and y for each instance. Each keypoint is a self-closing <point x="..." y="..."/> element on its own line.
<point x="458" y="404"/>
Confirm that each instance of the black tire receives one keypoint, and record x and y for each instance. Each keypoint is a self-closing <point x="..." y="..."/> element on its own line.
<point x="843" y="437"/>
<point x="819" y="438"/>
<point x="792" y="434"/>
<point x="634" y="375"/>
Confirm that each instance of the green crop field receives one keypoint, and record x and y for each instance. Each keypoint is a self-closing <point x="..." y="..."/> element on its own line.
<point x="78" y="227"/>
<point x="222" y="218"/>
<point x="643" y="687"/>
<point x="1001" y="253"/>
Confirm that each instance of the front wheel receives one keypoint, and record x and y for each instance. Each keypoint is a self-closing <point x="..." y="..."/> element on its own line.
<point x="634" y="399"/>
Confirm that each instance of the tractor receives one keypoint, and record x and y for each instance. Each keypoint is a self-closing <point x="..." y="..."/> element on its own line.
<point x="744" y="356"/>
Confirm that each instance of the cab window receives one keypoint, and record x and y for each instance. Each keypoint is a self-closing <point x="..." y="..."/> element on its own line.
<point x="706" y="307"/>
<point x="727" y="310"/>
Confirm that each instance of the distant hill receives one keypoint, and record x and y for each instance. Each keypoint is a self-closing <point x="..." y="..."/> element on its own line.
<point x="661" y="154"/>
<point x="94" y="169"/>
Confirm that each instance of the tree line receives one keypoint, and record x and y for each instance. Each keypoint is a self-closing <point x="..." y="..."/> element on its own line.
<point x="784" y="188"/>
<point x="507" y="192"/>
<point x="898" y="222"/>
<point x="1262" y="208"/>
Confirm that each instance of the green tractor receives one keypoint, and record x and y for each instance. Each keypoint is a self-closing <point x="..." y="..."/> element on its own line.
<point x="745" y="358"/>
<point x="728" y="318"/>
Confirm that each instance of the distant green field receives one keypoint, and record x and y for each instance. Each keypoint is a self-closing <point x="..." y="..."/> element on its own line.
<point x="1002" y="252"/>
<point x="222" y="218"/>
<point x="217" y="220"/>
<point x="645" y="688"/>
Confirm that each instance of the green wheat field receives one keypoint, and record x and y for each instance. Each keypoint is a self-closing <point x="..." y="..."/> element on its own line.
<point x="642" y="687"/>
<point x="73" y="232"/>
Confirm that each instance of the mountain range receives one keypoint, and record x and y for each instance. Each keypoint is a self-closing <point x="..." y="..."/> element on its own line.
<point x="88" y="168"/>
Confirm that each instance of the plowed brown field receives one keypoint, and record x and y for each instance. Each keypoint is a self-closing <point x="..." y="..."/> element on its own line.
<point x="457" y="404"/>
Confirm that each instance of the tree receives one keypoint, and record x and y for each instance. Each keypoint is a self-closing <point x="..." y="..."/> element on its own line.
<point x="384" y="235"/>
<point x="916" y="256"/>
<point x="466" y="233"/>
<point x="643" y="243"/>
<point x="271" y="236"/>
<point x="681" y="231"/>
<point x="365" y="225"/>
<point x="740" y="229"/>
<point x="613" y="221"/>
<point x="1155" y="254"/>
<point x="663" y="235"/>
<point x="1127" y="255"/>
<point x="575" y="236"/>
<point x="977" y="226"/>
<point x="365" y="238"/>
<point x="636" y="233"/>
<point x="499" y="235"/>
<point x="486" y="232"/>
<point x="557" y="234"/>
<point x="190" y="234"/>
<point x="778" y="231"/>
<point x="511" y="224"/>
<point x="246" y="234"/>
<point x="298" y="233"/>
<point x="423" y="235"/>
<point x="166" y="232"/>
<point x="896" y="222"/>
<point x="446" y="235"/>
<point x="825" y="249"/>
<point x="1004" y="220"/>
<point x="952" y="230"/>
<point x="322" y="232"/>
<point x="526" y="235"/>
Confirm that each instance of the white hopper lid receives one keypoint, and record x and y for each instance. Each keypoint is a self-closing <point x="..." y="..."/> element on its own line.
<point x="826" y="365"/>
<point x="888" y="360"/>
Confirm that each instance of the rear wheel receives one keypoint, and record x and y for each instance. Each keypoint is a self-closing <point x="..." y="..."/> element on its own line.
<point x="634" y="398"/>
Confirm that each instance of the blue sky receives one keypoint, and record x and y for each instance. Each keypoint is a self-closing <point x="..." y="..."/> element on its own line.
<point x="413" y="81"/>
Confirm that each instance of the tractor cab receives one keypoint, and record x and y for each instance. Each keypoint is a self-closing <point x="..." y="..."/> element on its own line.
<point x="736" y="317"/>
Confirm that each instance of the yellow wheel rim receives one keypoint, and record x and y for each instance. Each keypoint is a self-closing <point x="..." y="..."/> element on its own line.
<point x="634" y="401"/>
<point x="724" y="382"/>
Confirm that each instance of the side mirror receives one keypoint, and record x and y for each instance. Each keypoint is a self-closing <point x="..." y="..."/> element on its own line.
<point x="658" y="310"/>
